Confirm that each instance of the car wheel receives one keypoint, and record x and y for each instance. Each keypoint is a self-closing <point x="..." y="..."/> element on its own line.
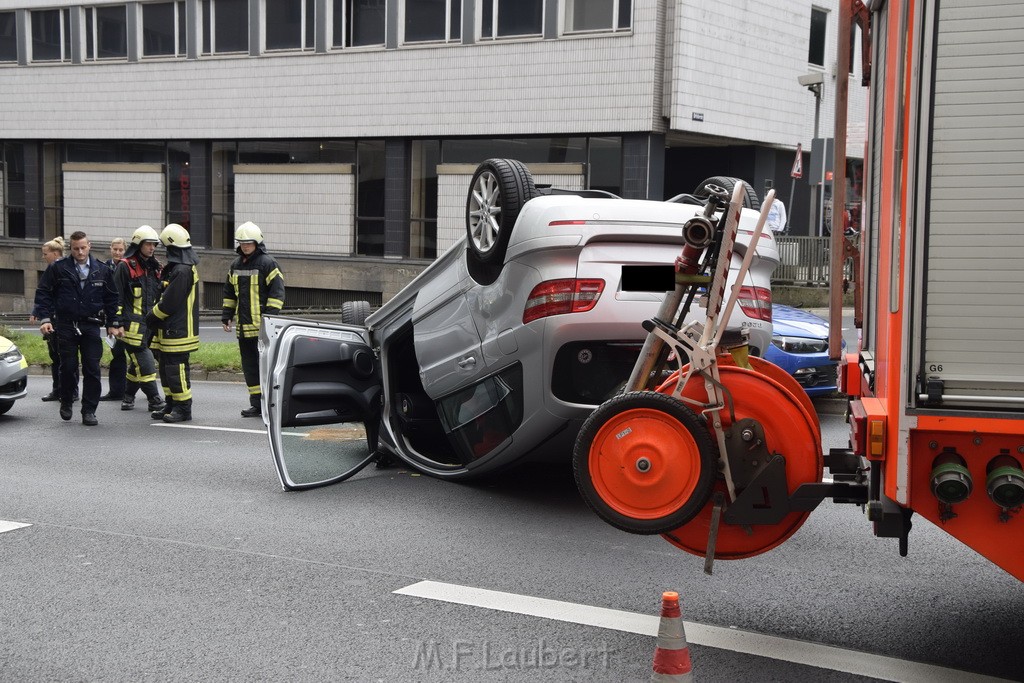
<point x="355" y="312"/>
<point x="750" y="201"/>
<point x="645" y="462"/>
<point x="497" y="193"/>
<point x="5" y="406"/>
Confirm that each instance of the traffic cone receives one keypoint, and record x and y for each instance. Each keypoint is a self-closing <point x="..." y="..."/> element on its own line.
<point x="672" y="654"/>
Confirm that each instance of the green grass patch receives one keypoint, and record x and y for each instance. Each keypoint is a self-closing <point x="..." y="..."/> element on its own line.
<point x="211" y="356"/>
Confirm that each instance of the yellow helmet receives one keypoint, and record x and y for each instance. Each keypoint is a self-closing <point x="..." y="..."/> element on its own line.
<point x="248" y="232"/>
<point x="173" y="235"/>
<point x="144" y="233"/>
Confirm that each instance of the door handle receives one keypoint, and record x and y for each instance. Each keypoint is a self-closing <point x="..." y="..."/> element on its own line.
<point x="467" y="362"/>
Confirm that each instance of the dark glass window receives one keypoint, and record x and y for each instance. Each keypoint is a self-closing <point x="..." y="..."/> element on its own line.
<point x="370" y="198"/>
<point x="426" y="154"/>
<point x="597" y="15"/>
<point x="163" y="29"/>
<point x="504" y="18"/>
<point x="224" y="156"/>
<point x="13" y="156"/>
<point x="527" y="150"/>
<point x="225" y="26"/>
<point x="432" y="20"/>
<point x="605" y="165"/>
<point x="366" y="22"/>
<point x="179" y="184"/>
<point x="53" y="189"/>
<point x="8" y="37"/>
<point x="816" y="44"/>
<point x="295" y="152"/>
<point x="106" y="33"/>
<point x="51" y="35"/>
<point x="289" y="24"/>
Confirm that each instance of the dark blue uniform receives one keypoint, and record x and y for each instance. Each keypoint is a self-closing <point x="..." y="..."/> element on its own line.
<point x="78" y="307"/>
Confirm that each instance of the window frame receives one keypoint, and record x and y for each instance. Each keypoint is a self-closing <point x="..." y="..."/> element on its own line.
<point x="494" y="34"/>
<point x="90" y="51"/>
<point x="64" y="28"/>
<point x="180" y="30"/>
<point x="307" y="30"/>
<point x="208" y="45"/>
<point x="814" y="41"/>
<point x="13" y="37"/>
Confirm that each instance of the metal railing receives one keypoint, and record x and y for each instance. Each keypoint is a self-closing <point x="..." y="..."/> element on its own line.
<point x="805" y="261"/>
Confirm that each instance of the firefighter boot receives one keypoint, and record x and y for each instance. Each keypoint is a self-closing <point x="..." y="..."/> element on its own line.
<point x="181" y="412"/>
<point x="153" y="398"/>
<point x="158" y="413"/>
<point x="254" y="407"/>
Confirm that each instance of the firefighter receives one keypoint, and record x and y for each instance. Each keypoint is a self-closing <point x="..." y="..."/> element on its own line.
<point x="254" y="288"/>
<point x="175" y="317"/>
<point x="137" y="277"/>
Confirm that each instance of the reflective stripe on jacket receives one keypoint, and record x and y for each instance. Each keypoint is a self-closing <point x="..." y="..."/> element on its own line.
<point x="254" y="288"/>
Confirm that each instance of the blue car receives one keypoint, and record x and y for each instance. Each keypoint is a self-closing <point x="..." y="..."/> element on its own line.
<point x="800" y="347"/>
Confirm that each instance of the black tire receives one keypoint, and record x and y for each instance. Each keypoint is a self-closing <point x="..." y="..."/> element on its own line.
<point x="5" y="406"/>
<point x="674" y="513"/>
<point x="497" y="193"/>
<point x="355" y="312"/>
<point x="729" y="184"/>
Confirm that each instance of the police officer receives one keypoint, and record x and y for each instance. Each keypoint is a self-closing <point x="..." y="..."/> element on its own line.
<point x="254" y="288"/>
<point x="73" y="296"/>
<point x="175" y="317"/>
<point x="137" y="277"/>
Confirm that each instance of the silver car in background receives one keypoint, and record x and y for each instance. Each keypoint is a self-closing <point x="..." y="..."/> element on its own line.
<point x="500" y="349"/>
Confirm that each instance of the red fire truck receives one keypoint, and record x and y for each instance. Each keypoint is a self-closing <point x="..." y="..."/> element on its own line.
<point x="723" y="456"/>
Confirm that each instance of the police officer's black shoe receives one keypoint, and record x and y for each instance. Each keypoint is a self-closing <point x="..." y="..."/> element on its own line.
<point x="52" y="396"/>
<point x="89" y="419"/>
<point x="110" y="396"/>
<point x="252" y="411"/>
<point x="65" y="411"/>
<point x="128" y="403"/>
<point x="178" y="414"/>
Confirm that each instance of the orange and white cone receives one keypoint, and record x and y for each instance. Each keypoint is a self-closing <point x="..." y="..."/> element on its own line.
<point x="672" y="654"/>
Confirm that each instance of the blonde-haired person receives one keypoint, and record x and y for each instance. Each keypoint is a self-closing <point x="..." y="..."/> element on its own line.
<point x="50" y="252"/>
<point x="117" y="373"/>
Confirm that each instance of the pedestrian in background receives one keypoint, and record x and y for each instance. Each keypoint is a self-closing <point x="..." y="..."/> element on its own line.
<point x="74" y="297"/>
<point x="51" y="251"/>
<point x="116" y="374"/>
<point x="175" y="317"/>
<point x="137" y="278"/>
<point x="254" y="288"/>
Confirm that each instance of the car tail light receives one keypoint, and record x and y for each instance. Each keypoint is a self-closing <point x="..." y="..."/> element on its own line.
<point x="555" y="297"/>
<point x="756" y="302"/>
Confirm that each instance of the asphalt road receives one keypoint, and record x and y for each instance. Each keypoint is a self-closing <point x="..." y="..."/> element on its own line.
<point x="168" y="553"/>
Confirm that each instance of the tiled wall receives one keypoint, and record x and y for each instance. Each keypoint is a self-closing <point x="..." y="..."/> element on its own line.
<point x="112" y="200"/>
<point x="305" y="208"/>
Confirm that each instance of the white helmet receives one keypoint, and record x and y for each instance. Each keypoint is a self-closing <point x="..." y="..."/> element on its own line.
<point x="144" y="233"/>
<point x="248" y="232"/>
<point x="173" y="235"/>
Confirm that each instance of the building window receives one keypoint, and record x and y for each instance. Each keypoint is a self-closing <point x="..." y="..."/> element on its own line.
<point x="289" y="24"/>
<point x="225" y="26"/>
<point x="358" y="23"/>
<point x="597" y="15"/>
<point x="51" y="35"/>
<point x="426" y="154"/>
<point x="432" y="20"/>
<point x="54" y="156"/>
<point x="223" y="157"/>
<point x="106" y="33"/>
<point x="179" y="185"/>
<point x="510" y="18"/>
<point x="370" y="198"/>
<point x="816" y="44"/>
<point x="163" y="29"/>
<point x="12" y="163"/>
<point x="8" y="37"/>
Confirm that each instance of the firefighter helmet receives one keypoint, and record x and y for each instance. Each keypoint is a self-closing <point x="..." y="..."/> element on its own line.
<point x="248" y="232"/>
<point x="175" y="236"/>
<point x="144" y="233"/>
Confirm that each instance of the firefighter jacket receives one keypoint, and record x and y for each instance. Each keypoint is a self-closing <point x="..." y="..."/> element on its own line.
<point x="255" y="287"/>
<point x="176" y="315"/>
<point x="138" y="287"/>
<point x="63" y="295"/>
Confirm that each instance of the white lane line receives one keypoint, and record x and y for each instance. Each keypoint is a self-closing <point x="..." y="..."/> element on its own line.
<point x="223" y="429"/>
<point x="735" y="640"/>
<point x="11" y="526"/>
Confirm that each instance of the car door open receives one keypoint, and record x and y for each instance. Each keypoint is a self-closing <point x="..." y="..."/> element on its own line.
<point x="320" y="381"/>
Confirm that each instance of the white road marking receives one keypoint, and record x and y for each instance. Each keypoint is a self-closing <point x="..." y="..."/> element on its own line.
<point x="222" y="429"/>
<point x="11" y="526"/>
<point x="735" y="640"/>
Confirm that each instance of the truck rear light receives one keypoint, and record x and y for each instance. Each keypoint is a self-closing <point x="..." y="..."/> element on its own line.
<point x="555" y="297"/>
<point x="756" y="302"/>
<point x="1005" y="480"/>
<point x="951" y="480"/>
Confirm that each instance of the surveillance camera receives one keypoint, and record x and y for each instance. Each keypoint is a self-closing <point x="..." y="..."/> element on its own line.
<point x="813" y="78"/>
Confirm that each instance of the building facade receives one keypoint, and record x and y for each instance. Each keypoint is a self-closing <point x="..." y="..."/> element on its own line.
<point x="348" y="129"/>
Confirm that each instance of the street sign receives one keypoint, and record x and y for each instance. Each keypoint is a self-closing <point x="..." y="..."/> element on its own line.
<point x="798" y="162"/>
